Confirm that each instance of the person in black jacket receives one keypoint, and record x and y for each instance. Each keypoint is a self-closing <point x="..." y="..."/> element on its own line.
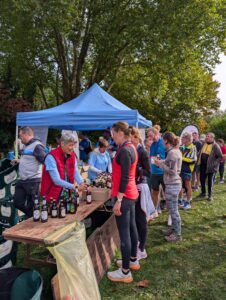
<point x="142" y="172"/>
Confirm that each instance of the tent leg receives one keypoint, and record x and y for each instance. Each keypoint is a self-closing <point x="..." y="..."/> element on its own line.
<point x="16" y="144"/>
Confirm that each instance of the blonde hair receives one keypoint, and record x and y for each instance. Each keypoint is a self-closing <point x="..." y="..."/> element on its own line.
<point x="188" y="136"/>
<point x="153" y="130"/>
<point x="135" y="133"/>
<point x="157" y="127"/>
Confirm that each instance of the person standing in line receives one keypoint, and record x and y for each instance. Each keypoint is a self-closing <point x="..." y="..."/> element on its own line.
<point x="195" y="174"/>
<point x="124" y="190"/>
<point x="85" y="147"/>
<point x="60" y="170"/>
<point x="222" y="162"/>
<point x="30" y="171"/>
<point x="147" y="144"/>
<point x="208" y="162"/>
<point x="144" y="205"/>
<point x="157" y="150"/>
<point x="189" y="157"/>
<point x="172" y="168"/>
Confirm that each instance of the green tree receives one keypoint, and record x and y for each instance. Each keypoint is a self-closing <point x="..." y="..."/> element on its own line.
<point x="155" y="55"/>
<point x="217" y="125"/>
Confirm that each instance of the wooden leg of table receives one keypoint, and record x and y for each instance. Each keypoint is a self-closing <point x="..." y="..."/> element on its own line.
<point x="28" y="255"/>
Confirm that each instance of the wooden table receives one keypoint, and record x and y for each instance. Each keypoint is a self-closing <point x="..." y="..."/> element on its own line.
<point x="31" y="232"/>
<point x="102" y="243"/>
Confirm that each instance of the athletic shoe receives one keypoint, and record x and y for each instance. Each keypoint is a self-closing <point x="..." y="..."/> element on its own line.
<point x="221" y="181"/>
<point x="133" y="265"/>
<point x="210" y="198"/>
<point x="141" y="254"/>
<point x="159" y="211"/>
<point x="201" y="196"/>
<point x="163" y="204"/>
<point x="187" y="205"/>
<point x="169" y="222"/>
<point x="119" y="276"/>
<point x="150" y="219"/>
<point x="168" y="231"/>
<point x="173" y="238"/>
<point x="155" y="214"/>
<point x="180" y="203"/>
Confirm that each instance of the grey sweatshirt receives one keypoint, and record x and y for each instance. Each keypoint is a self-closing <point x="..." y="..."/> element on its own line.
<point x="172" y="167"/>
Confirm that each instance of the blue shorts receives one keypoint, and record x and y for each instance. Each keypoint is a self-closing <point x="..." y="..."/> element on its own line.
<point x="186" y="176"/>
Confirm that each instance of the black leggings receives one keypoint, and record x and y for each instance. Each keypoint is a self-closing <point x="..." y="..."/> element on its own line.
<point x="203" y="176"/>
<point x="127" y="231"/>
<point x="141" y="223"/>
<point x="221" y="170"/>
<point x="24" y="196"/>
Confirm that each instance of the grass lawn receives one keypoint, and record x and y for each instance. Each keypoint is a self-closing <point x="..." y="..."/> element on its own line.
<point x="192" y="269"/>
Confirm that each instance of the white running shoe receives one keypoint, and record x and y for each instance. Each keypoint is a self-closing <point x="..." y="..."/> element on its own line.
<point x="141" y="254"/>
<point x="133" y="265"/>
<point x="119" y="276"/>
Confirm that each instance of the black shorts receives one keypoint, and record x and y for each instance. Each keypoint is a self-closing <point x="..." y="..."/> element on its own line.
<point x="156" y="181"/>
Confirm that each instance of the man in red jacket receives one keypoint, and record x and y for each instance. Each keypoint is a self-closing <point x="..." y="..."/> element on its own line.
<point x="60" y="170"/>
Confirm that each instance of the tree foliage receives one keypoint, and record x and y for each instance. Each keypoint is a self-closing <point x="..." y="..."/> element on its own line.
<point x="217" y="125"/>
<point x="155" y="55"/>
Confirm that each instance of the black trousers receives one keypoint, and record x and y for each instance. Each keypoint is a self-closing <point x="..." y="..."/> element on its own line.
<point x="127" y="231"/>
<point x="141" y="223"/>
<point x="24" y="195"/>
<point x="210" y="179"/>
<point x="221" y="170"/>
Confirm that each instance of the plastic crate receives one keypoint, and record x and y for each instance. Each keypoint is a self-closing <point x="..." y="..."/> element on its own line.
<point x="8" y="191"/>
<point x="3" y="225"/>
<point x="8" y="173"/>
<point x="9" y="215"/>
<point x="8" y="251"/>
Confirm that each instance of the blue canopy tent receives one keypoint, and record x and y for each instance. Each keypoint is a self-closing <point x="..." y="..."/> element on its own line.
<point x="94" y="109"/>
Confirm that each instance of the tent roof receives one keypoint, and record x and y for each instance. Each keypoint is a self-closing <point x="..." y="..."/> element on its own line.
<point x="94" y="109"/>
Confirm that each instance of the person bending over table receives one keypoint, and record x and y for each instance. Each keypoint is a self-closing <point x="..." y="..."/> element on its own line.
<point x="60" y="169"/>
<point x="124" y="189"/>
<point x="99" y="160"/>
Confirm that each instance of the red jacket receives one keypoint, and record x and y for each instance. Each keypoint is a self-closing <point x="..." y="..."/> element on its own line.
<point x="131" y="189"/>
<point x="48" y="188"/>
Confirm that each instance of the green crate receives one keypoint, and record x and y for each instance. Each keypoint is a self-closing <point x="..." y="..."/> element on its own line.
<point x="8" y="251"/>
<point x="3" y="225"/>
<point x="9" y="215"/>
<point x="8" y="191"/>
<point x="8" y="173"/>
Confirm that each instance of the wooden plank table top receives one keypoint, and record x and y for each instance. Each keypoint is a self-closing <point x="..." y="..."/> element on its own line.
<point x="31" y="232"/>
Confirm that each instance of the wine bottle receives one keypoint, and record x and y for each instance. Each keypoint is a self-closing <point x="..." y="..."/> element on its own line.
<point x="54" y="209"/>
<point x="44" y="211"/>
<point x="36" y="210"/>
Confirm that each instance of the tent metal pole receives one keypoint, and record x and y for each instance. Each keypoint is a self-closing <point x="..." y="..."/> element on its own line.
<point x="16" y="144"/>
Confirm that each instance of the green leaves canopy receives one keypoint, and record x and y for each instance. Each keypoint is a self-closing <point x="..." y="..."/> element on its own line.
<point x="155" y="55"/>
